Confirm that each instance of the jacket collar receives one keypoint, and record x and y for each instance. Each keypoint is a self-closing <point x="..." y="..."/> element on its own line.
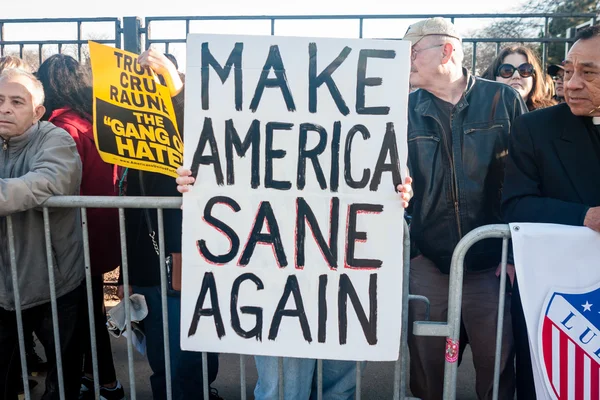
<point x="18" y="142"/>
<point x="425" y="104"/>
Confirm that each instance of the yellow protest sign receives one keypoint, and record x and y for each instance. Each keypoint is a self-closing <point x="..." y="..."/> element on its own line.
<point x="134" y="119"/>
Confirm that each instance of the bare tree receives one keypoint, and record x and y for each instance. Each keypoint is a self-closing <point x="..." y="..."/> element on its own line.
<point x="534" y="28"/>
<point x="507" y="31"/>
<point x="82" y="52"/>
<point x="31" y="57"/>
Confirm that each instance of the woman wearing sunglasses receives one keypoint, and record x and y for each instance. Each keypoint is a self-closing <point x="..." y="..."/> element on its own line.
<point x="519" y="67"/>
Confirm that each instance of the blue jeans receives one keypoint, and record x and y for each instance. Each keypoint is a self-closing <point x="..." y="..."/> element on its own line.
<point x="186" y="366"/>
<point x="300" y="380"/>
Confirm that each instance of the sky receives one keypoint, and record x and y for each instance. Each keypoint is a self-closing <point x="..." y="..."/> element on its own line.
<point x="152" y="8"/>
<point x="119" y="8"/>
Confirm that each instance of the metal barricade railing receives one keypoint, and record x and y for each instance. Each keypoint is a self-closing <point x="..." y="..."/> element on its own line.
<point x="132" y="36"/>
<point x="451" y="328"/>
<point x="158" y="203"/>
<point x="79" y="41"/>
<point x="361" y="19"/>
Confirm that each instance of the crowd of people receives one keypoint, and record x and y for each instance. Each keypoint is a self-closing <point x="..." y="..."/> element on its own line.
<point x="48" y="149"/>
<point x="505" y="147"/>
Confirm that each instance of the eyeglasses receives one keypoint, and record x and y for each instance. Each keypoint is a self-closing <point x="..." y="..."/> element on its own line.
<point x="558" y="78"/>
<point x="507" y="70"/>
<point x="414" y="53"/>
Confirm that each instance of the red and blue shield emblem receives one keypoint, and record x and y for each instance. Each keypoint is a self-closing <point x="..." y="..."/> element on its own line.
<point x="570" y="345"/>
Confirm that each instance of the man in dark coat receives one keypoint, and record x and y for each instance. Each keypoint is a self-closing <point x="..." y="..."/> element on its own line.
<point x="458" y="131"/>
<point x="553" y="170"/>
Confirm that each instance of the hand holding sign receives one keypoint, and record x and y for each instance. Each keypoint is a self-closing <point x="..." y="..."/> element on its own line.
<point x="405" y="190"/>
<point x="592" y="219"/>
<point x="161" y="65"/>
<point x="184" y="180"/>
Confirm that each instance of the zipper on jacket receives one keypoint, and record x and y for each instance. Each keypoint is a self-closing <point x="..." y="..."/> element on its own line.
<point x="454" y="191"/>
<point x="455" y="184"/>
<point x="4" y="250"/>
<point x="5" y="153"/>
<point x="436" y="139"/>
<point x="482" y="129"/>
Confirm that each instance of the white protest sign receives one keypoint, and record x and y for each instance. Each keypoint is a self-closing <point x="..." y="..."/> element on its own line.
<point x="559" y="283"/>
<point x="292" y="234"/>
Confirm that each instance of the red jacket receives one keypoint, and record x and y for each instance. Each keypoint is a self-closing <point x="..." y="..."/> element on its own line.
<point x="97" y="180"/>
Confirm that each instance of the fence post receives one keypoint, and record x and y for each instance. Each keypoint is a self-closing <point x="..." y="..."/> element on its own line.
<point x="569" y="34"/>
<point x="132" y="34"/>
<point x="1" y="38"/>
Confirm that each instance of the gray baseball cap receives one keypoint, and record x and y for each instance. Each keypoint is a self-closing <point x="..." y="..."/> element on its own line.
<point x="431" y="26"/>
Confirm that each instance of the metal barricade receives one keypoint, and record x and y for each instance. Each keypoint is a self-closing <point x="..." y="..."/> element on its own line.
<point x="130" y="34"/>
<point x="545" y="40"/>
<point x="79" y="42"/>
<point x="158" y="203"/>
<point x="451" y="328"/>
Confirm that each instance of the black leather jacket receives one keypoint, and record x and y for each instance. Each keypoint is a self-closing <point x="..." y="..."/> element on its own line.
<point x="457" y="178"/>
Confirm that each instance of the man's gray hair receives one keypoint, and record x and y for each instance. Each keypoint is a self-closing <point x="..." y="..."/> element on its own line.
<point x="38" y="89"/>
<point x="459" y="53"/>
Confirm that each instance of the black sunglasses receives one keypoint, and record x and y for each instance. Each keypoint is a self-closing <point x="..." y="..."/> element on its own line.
<point x="507" y="70"/>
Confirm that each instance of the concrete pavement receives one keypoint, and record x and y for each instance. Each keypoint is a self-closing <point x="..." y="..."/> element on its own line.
<point x="377" y="381"/>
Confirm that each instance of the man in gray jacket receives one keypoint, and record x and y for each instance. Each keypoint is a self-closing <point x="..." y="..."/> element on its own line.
<point x="37" y="161"/>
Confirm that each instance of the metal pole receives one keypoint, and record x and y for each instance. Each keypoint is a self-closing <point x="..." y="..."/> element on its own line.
<point x="500" y="326"/>
<point x="569" y="34"/>
<point x="545" y="45"/>
<point x="280" y="373"/>
<point x="90" y="302"/>
<point x="397" y="374"/>
<point x="18" y="312"/>
<point x="1" y="39"/>
<point x="79" y="35"/>
<point x="454" y="315"/>
<point x="125" y="270"/>
<point x="360" y="28"/>
<point x="474" y="60"/>
<point x="319" y="379"/>
<point x="118" y="32"/>
<point x="242" y="377"/>
<point x="401" y="367"/>
<point x="132" y="34"/>
<point x="358" y="380"/>
<point x="164" y="301"/>
<point x="205" y="374"/>
<point x="52" y="282"/>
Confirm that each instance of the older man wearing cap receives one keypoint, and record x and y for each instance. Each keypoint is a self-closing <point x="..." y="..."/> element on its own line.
<point x="458" y="129"/>
<point x="557" y="72"/>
